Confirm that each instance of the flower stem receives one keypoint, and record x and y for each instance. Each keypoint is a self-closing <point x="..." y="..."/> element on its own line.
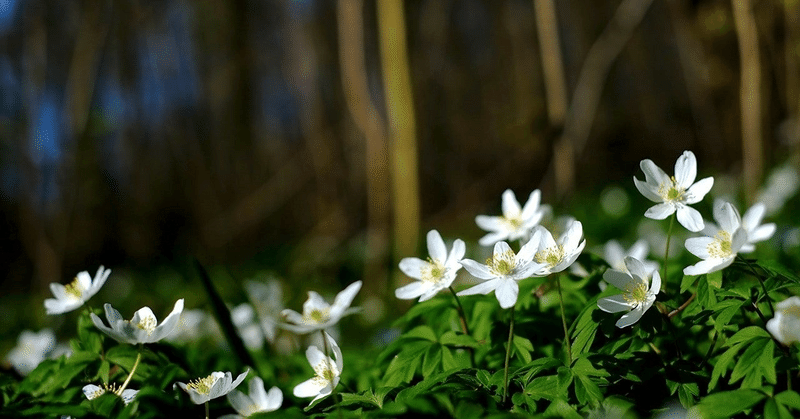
<point x="127" y="380"/>
<point x="564" y="321"/>
<point x="207" y="415"/>
<point x="666" y="248"/>
<point x="461" y="312"/>
<point x="508" y="352"/>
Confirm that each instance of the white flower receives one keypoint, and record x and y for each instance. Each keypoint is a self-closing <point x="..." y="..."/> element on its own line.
<point x="267" y="298"/>
<point x="318" y="314"/>
<point x="92" y="392"/>
<point x="718" y="251"/>
<point x="258" y="401"/>
<point x="215" y="385"/>
<point x="243" y="318"/>
<point x="501" y="272"/>
<point x="785" y="326"/>
<point x="193" y="325"/>
<point x="73" y="295"/>
<point x="327" y="372"/>
<point x="435" y="274"/>
<point x="142" y="328"/>
<point x="638" y="295"/>
<point x="674" y="193"/>
<point x="756" y="232"/>
<point x="781" y="186"/>
<point x="32" y="348"/>
<point x="554" y="256"/>
<point x="615" y="255"/>
<point x="515" y="223"/>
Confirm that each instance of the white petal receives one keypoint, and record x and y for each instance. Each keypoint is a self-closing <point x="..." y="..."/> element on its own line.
<point x="614" y="254"/>
<point x="478" y="270"/>
<point x="686" y="169"/>
<point x="762" y="233"/>
<point x="699" y="190"/>
<point x="314" y="355"/>
<point x="639" y="250"/>
<point x="412" y="290"/>
<point x="613" y="304"/>
<point x="653" y="174"/>
<point x="707" y="266"/>
<point x="507" y="292"/>
<point x="660" y="211"/>
<point x="274" y="400"/>
<point x="698" y="246"/>
<point x="315" y="302"/>
<point x="636" y="268"/>
<point x="490" y="222"/>
<point x="54" y="306"/>
<point x="690" y="218"/>
<point x="655" y="285"/>
<point x="493" y="238"/>
<point x="168" y="325"/>
<point x="413" y="267"/>
<point x="436" y="247"/>
<point x="482" y="288"/>
<point x="630" y="318"/>
<point x="91" y="391"/>
<point x="456" y="254"/>
<point x="728" y="217"/>
<point x="308" y="388"/>
<point x="647" y="190"/>
<point x="510" y="205"/>
<point x="242" y="404"/>
<point x="753" y="216"/>
<point x="532" y="206"/>
<point x="345" y="298"/>
<point x="619" y="279"/>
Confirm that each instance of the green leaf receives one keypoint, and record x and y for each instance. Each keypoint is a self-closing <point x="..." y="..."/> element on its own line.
<point x="420" y="332"/>
<point x="789" y="398"/>
<point x="748" y="333"/>
<point x="539" y="365"/>
<point x="686" y="282"/>
<point x="721" y="365"/>
<point x="433" y="358"/>
<point x="561" y="409"/>
<point x="687" y="393"/>
<point x="715" y="279"/>
<point x="451" y="338"/>
<point x="544" y="388"/>
<point x="748" y="361"/>
<point x="368" y="397"/>
<point x="726" y="404"/>
<point x="727" y="309"/>
<point x="766" y="362"/>
<point x="774" y="410"/>
<point x="587" y="391"/>
<point x="523" y="347"/>
<point x="405" y="364"/>
<point x="585" y="368"/>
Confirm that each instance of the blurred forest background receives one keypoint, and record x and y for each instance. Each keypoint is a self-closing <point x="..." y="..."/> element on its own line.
<point x="321" y="139"/>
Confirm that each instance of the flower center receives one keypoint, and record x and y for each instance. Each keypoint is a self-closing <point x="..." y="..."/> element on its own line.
<point x="550" y="256"/>
<point x="202" y="385"/>
<point x="74" y="288"/>
<point x="147" y="324"/>
<point x="635" y="294"/>
<point x="671" y="192"/>
<point x="722" y="246"/>
<point x="317" y="316"/>
<point x="433" y="272"/>
<point x="502" y="264"/>
<point x="513" y="223"/>
<point x="326" y="371"/>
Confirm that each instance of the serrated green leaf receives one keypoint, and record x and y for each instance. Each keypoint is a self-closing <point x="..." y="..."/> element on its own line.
<point x="420" y="332"/>
<point x="539" y="365"/>
<point x="523" y="347"/>
<point x="543" y="388"/>
<point x="767" y="361"/>
<point x="587" y="391"/>
<point x="748" y="333"/>
<point x="687" y="393"/>
<point x="451" y="338"/>
<point x="726" y="404"/>
<point x="405" y="364"/>
<point x="561" y="408"/>
<point x="748" y="362"/>
<point x="721" y="365"/>
<point x="686" y="282"/>
<point x="774" y="410"/>
<point x="585" y="368"/>
<point x="715" y="279"/>
<point x="726" y="310"/>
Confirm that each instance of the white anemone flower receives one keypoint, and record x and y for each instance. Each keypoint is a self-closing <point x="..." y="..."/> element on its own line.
<point x="32" y="348"/>
<point x="552" y="255"/>
<point x="638" y="291"/>
<point x="756" y="232"/>
<point x="515" y="223"/>
<point x="92" y="392"/>
<point x="326" y="369"/>
<point x="258" y="401"/>
<point x="215" y="385"/>
<point x="674" y="193"/>
<point x="501" y="272"/>
<point x="142" y="328"/>
<point x="718" y="251"/>
<point x="244" y="319"/>
<point x="267" y="299"/>
<point x="318" y="314"/>
<point x="785" y="326"/>
<point x="435" y="274"/>
<point x="73" y="295"/>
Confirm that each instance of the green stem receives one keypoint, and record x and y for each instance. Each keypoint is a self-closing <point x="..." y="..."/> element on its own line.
<point x="761" y="281"/>
<point x="508" y="353"/>
<point x="666" y="249"/>
<point x="461" y="314"/>
<point x="207" y="415"/>
<point x="564" y="321"/>
<point x="127" y="380"/>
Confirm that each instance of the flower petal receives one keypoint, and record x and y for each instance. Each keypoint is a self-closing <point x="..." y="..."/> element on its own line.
<point x="436" y="247"/>
<point x="478" y="270"/>
<point x="660" y="211"/>
<point x="613" y="304"/>
<point x="507" y="292"/>
<point x="456" y="254"/>
<point x="686" y="169"/>
<point x="413" y="266"/>
<point x="168" y="325"/>
<point x="482" y="288"/>
<point x="630" y="318"/>
<point x="308" y="388"/>
<point x="648" y="190"/>
<point x="653" y="174"/>
<point x="510" y="205"/>
<point x="690" y="218"/>
<point x="621" y="280"/>
<point x="698" y="191"/>
<point x="412" y="290"/>
<point x="698" y="246"/>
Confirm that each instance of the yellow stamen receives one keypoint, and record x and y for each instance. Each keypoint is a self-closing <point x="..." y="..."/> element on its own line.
<point x="202" y="385"/>
<point x="433" y="272"/>
<point x="147" y="324"/>
<point x="635" y="293"/>
<point x="74" y="288"/>
<point x="502" y="264"/>
<point x="317" y="316"/>
<point x="722" y="245"/>
<point x="671" y="192"/>
<point x="552" y="256"/>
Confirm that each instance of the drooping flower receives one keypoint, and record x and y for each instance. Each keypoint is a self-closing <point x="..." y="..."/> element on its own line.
<point x="258" y="401"/>
<point x="756" y="232"/>
<point x="435" y="274"/>
<point x="92" y="392"/>
<point x="515" y="223"/>
<point x="32" y="348"/>
<point x="552" y="256"/>
<point x="73" y="295"/>
<point x="614" y="254"/>
<point x="638" y="291"/>
<point x="142" y="328"/>
<point x="318" y="314"/>
<point x="718" y="251"/>
<point x="785" y="326"/>
<point x="215" y="385"/>
<point x="674" y="193"/>
<point x="501" y="272"/>
<point x="326" y="369"/>
<point x="267" y="299"/>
